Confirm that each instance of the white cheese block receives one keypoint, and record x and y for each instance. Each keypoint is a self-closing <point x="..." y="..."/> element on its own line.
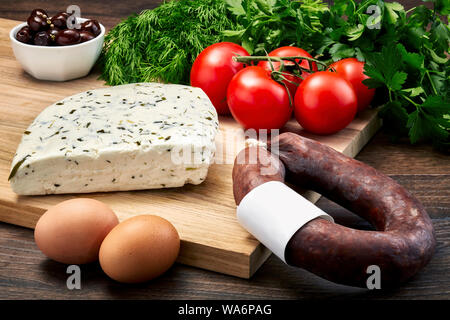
<point x="129" y="137"/>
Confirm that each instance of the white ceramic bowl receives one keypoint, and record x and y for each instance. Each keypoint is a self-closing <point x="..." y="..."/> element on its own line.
<point x="57" y="63"/>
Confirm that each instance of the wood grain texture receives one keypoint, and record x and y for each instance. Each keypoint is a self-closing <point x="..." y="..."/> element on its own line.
<point x="204" y="215"/>
<point x="26" y="274"/>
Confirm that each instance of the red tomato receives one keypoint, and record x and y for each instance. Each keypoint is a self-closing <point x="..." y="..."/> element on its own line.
<point x="325" y="103"/>
<point x="290" y="52"/>
<point x="353" y="71"/>
<point x="213" y="69"/>
<point x="257" y="101"/>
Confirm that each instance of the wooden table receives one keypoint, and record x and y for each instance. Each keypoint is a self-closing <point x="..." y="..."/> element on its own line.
<point x="26" y="274"/>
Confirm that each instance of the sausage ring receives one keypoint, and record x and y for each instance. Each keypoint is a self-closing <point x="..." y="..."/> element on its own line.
<point x="403" y="243"/>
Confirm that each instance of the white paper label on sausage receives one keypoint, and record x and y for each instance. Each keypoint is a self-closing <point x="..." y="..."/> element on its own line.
<point x="273" y="213"/>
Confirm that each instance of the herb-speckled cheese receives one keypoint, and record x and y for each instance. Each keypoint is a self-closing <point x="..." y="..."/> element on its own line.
<point x="129" y="137"/>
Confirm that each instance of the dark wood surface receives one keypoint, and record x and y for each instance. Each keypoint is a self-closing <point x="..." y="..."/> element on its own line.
<point x="25" y="273"/>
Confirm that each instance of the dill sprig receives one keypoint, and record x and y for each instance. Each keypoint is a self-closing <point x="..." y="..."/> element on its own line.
<point x="162" y="44"/>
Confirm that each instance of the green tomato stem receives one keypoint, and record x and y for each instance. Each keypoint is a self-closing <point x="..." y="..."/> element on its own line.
<point x="250" y="59"/>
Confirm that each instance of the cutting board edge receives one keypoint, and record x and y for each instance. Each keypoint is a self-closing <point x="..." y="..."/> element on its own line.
<point x="216" y="259"/>
<point x="367" y="133"/>
<point x="28" y="215"/>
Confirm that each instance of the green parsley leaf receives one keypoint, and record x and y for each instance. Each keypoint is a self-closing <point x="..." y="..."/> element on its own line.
<point x="413" y="92"/>
<point x="397" y="81"/>
<point x="383" y="68"/>
<point x="355" y="32"/>
<point x="430" y="120"/>
<point x="438" y="107"/>
<point x="340" y="51"/>
<point x="235" y="7"/>
<point x="391" y="11"/>
<point x="440" y="35"/>
<point x="416" y="124"/>
<point x="414" y="60"/>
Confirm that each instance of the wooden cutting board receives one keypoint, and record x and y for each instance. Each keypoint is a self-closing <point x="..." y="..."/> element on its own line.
<point x="204" y="215"/>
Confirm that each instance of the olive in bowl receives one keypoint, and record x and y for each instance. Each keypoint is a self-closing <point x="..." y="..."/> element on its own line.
<point x="43" y="30"/>
<point x="38" y="20"/>
<point x="50" y="61"/>
<point x="91" y="26"/>
<point x="24" y="35"/>
<point x="60" y="20"/>
<point x="67" y="37"/>
<point x="42" y="38"/>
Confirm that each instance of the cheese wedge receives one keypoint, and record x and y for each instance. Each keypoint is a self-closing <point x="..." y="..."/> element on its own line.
<point x="129" y="137"/>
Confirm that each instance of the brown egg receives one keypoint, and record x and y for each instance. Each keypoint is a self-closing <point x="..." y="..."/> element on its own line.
<point x="72" y="231"/>
<point x="139" y="249"/>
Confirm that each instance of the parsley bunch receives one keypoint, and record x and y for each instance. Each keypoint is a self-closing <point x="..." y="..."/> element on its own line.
<point x="268" y="24"/>
<point x="413" y="68"/>
<point x="406" y="52"/>
<point x="406" y="55"/>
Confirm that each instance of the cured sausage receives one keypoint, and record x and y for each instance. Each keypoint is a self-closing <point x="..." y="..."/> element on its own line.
<point x="403" y="243"/>
<point x="249" y="167"/>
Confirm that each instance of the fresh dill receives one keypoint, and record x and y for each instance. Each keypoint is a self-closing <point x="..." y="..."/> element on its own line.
<point x="162" y="44"/>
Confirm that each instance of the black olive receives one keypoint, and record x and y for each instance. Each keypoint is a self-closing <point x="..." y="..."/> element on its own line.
<point x="24" y="35"/>
<point x="38" y="23"/>
<point x="67" y="37"/>
<point x="86" y="36"/>
<point x="42" y="38"/>
<point x="39" y="12"/>
<point x="52" y="32"/>
<point x="92" y="26"/>
<point x="60" y="20"/>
